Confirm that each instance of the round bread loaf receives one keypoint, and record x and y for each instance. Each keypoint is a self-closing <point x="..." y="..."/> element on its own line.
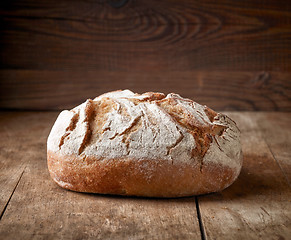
<point x="144" y="145"/>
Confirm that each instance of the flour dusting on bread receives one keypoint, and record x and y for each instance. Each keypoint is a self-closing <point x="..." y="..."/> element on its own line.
<point x="147" y="126"/>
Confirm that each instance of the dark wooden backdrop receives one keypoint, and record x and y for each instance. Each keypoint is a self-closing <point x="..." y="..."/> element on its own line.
<point x="230" y="55"/>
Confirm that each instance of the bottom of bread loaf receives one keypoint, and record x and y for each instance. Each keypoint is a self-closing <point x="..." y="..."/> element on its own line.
<point x="131" y="177"/>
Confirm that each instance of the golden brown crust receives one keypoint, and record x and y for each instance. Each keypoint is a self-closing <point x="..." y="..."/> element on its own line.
<point x="150" y="178"/>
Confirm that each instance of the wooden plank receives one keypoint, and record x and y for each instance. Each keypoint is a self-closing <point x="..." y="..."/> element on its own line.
<point x="41" y="209"/>
<point x="276" y="130"/>
<point x="220" y="90"/>
<point x="257" y="205"/>
<point x="146" y="35"/>
<point x="17" y="148"/>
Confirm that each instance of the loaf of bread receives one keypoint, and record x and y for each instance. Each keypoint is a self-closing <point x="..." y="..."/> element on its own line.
<point x="144" y="145"/>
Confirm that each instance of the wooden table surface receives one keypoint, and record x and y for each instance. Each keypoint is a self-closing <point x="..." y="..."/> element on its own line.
<point x="256" y="206"/>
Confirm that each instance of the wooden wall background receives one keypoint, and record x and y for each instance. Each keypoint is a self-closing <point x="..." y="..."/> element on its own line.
<point x="230" y="55"/>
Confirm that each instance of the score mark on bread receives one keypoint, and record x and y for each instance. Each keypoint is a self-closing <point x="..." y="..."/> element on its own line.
<point x="144" y="145"/>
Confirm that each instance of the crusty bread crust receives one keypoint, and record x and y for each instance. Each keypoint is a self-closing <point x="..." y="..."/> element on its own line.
<point x="144" y="145"/>
<point x="131" y="177"/>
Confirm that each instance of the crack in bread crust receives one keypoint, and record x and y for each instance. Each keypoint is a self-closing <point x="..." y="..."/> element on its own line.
<point x="136" y="124"/>
<point x="169" y="148"/>
<point x="202" y="133"/>
<point x="69" y="129"/>
<point x="89" y="115"/>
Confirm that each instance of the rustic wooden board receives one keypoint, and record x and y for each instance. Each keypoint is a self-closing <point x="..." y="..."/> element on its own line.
<point x="257" y="205"/>
<point x="276" y="130"/>
<point x="40" y="209"/>
<point x="44" y="89"/>
<point x="146" y="35"/>
<point x="55" y="53"/>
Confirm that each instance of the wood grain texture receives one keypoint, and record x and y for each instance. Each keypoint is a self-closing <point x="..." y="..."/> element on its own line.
<point x="257" y="205"/>
<point x="39" y="89"/>
<point x="18" y="147"/>
<point x="146" y="35"/>
<point x="276" y="130"/>
<point x="61" y="52"/>
<point x="39" y="209"/>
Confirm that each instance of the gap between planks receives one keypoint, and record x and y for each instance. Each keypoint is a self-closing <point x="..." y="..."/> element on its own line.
<point x="201" y="227"/>
<point x="5" y="207"/>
